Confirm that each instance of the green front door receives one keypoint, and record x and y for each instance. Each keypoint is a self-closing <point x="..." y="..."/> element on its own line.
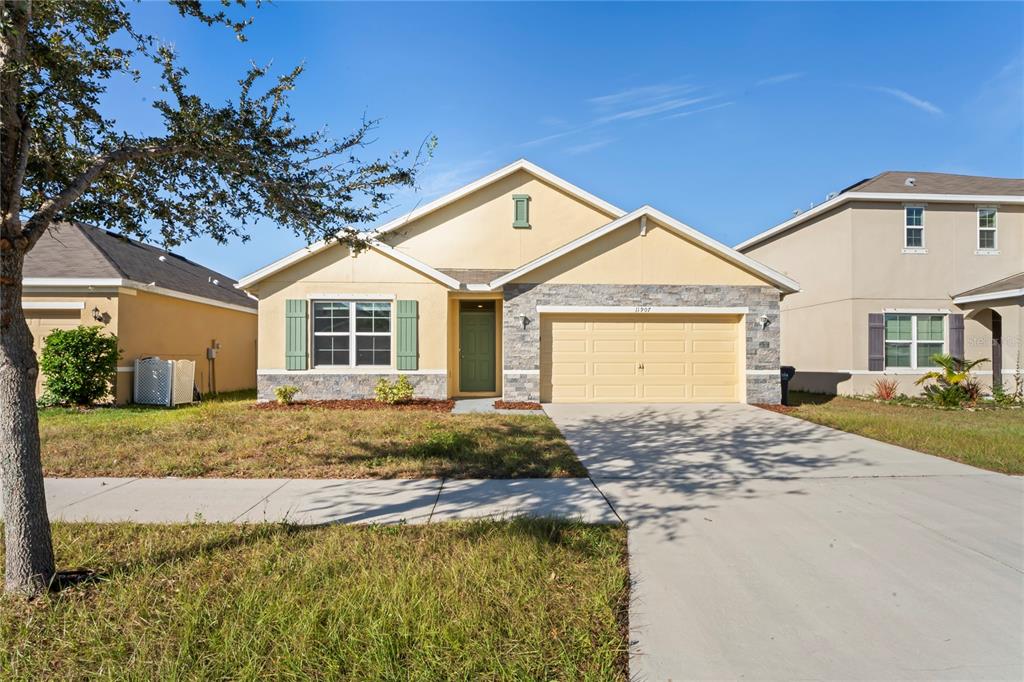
<point x="476" y="346"/>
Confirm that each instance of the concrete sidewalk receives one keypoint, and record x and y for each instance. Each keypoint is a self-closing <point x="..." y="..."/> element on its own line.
<point x="311" y="502"/>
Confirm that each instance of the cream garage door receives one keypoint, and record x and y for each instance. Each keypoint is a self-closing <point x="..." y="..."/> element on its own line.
<point x="640" y="358"/>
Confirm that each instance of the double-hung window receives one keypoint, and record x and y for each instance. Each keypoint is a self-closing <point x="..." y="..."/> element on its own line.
<point x="913" y="227"/>
<point x="987" y="229"/>
<point x="912" y="338"/>
<point x="351" y="333"/>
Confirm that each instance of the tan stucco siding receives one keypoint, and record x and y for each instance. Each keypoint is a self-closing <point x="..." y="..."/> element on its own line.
<point x="334" y="272"/>
<point x="42" y="322"/>
<point x="625" y="257"/>
<point x="951" y="239"/>
<point x="476" y="231"/>
<point x="818" y="256"/>
<point x="176" y="329"/>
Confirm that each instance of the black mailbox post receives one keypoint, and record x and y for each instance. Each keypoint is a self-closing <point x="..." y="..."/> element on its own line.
<point x="787" y="374"/>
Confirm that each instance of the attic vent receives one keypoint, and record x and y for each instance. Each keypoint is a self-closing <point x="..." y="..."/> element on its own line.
<point x="521" y="212"/>
<point x="910" y="182"/>
<point x="831" y="196"/>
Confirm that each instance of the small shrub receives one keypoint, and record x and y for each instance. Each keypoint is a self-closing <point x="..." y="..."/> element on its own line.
<point x="285" y="394"/>
<point x="79" y="365"/>
<point x="887" y="389"/>
<point x="401" y="391"/>
<point x="953" y="385"/>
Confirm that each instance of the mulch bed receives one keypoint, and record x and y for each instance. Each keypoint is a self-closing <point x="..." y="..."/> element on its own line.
<point x="422" y="404"/>
<point x="516" y="405"/>
<point x="781" y="409"/>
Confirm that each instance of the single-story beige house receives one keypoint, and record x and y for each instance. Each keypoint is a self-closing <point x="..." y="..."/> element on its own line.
<point x="525" y="286"/>
<point x="896" y="268"/>
<point x="156" y="302"/>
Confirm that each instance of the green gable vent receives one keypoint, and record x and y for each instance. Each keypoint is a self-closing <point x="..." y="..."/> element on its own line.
<point x="521" y="215"/>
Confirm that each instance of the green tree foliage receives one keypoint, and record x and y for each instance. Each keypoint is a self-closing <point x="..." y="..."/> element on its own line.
<point x="79" y="365"/>
<point x="214" y="169"/>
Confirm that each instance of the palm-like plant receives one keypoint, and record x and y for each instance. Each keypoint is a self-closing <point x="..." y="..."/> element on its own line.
<point x="953" y="381"/>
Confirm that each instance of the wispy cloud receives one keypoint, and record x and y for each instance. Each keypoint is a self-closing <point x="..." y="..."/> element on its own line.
<point x="639" y="94"/>
<point x="780" y="78"/>
<point x="697" y="111"/>
<point x="631" y="104"/>
<point x="588" y="146"/>
<point x="922" y="104"/>
<point x="653" y="109"/>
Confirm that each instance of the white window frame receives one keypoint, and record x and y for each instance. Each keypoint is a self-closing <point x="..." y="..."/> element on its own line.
<point x="923" y="248"/>
<point x="352" y="334"/>
<point x="913" y="341"/>
<point x="994" y="249"/>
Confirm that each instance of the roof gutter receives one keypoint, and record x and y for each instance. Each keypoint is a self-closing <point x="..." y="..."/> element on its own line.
<point x="112" y="284"/>
<point x="991" y="296"/>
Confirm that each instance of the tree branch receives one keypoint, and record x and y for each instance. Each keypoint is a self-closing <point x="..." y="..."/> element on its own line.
<point x="42" y="218"/>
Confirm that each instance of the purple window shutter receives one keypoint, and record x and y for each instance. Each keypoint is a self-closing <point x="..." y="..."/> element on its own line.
<point x="956" y="336"/>
<point x="876" y="342"/>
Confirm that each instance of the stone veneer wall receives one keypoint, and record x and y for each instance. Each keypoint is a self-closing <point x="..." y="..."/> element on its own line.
<point x="335" y="386"/>
<point x="521" y="361"/>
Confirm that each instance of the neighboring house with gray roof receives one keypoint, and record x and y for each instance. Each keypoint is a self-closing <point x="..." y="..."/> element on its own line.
<point x="895" y="268"/>
<point x="157" y="303"/>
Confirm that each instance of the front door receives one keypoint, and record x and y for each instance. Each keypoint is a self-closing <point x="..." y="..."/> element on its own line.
<point x="476" y="346"/>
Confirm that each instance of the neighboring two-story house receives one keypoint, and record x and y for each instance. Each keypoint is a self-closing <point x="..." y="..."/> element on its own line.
<point x="896" y="268"/>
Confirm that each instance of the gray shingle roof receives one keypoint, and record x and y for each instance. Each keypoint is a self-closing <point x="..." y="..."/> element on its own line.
<point x="938" y="183"/>
<point x="1010" y="283"/>
<point x="77" y="250"/>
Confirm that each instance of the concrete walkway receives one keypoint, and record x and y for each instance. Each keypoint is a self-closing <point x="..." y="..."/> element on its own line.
<point x="304" y="501"/>
<point x="765" y="547"/>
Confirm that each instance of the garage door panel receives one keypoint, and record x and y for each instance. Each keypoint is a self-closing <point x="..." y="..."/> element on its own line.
<point x="627" y="345"/>
<point x="605" y="369"/>
<point x="599" y="358"/>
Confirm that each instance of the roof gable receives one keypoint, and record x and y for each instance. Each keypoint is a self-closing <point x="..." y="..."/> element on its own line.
<point x="392" y="232"/>
<point x="640" y="215"/>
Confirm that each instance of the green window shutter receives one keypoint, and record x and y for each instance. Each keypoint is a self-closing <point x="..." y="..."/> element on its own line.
<point x="521" y="215"/>
<point x="295" y="329"/>
<point x="408" y="335"/>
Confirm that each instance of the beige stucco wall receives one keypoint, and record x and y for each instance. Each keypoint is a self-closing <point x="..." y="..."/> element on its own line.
<point x="850" y="263"/>
<point x="625" y="257"/>
<point x="42" y="322"/>
<point x="476" y="231"/>
<point x="176" y="329"/>
<point x="334" y="271"/>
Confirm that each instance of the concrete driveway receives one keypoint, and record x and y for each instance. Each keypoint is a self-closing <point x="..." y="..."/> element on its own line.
<point x="765" y="547"/>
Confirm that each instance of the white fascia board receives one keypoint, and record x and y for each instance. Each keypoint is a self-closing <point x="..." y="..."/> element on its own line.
<point x="53" y="305"/>
<point x="478" y="287"/>
<point x="415" y="264"/>
<point x="910" y="199"/>
<point x="71" y="282"/>
<point x="991" y="296"/>
<point x="778" y="279"/>
<point x="171" y="293"/>
<point x="645" y="309"/>
<point x="521" y="164"/>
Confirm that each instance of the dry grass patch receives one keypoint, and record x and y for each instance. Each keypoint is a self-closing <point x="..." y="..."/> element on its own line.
<point x="512" y="600"/>
<point x="227" y="439"/>
<point x="990" y="439"/>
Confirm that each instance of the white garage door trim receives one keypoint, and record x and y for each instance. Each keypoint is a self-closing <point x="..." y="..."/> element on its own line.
<point x="644" y="309"/>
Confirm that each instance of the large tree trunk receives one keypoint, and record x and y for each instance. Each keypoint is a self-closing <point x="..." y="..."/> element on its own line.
<point x="29" y="565"/>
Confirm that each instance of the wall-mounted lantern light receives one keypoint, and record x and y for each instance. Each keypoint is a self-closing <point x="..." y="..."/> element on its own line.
<point x="764" y="321"/>
<point x="525" y="320"/>
<point x="96" y="314"/>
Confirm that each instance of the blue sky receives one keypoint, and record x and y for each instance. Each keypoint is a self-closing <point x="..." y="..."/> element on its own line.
<point x="726" y="116"/>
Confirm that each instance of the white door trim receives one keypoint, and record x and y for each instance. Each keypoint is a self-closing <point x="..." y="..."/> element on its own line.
<point x="645" y="309"/>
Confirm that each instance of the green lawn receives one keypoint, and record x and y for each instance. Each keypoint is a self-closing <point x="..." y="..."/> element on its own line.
<point x="990" y="439"/>
<point x="227" y="438"/>
<point x="519" y="600"/>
